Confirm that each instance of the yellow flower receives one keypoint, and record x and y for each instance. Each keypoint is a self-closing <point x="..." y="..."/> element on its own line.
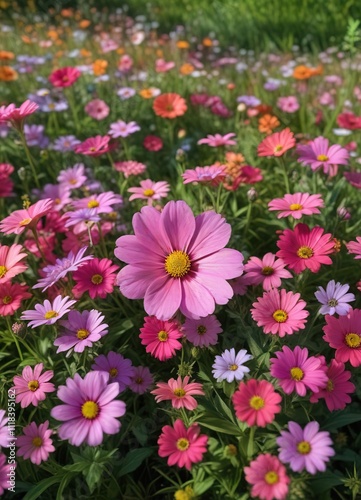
<point x="186" y="494"/>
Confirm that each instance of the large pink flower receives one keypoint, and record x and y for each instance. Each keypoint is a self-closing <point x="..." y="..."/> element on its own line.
<point x="318" y="154"/>
<point x="10" y="264"/>
<point x="178" y="261"/>
<point x="344" y="335"/>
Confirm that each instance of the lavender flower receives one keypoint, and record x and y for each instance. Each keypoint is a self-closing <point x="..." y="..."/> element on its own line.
<point x="229" y="366"/>
<point x="122" y="129"/>
<point x="335" y="298"/>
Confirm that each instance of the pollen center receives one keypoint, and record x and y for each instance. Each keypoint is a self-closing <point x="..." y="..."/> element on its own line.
<point x="90" y="410"/>
<point x="33" y="385"/>
<point x="329" y="386"/>
<point x="37" y="441"/>
<point x="93" y="204"/>
<point x="353" y="340"/>
<point x="322" y="158"/>
<point x="50" y="314"/>
<point x="148" y="192"/>
<point x="267" y="271"/>
<point x="256" y="402"/>
<point x="7" y="299"/>
<point x="278" y="148"/>
<point x="305" y="252"/>
<point x="296" y="206"/>
<point x="182" y="444"/>
<point x="25" y="222"/>
<point x="162" y="336"/>
<point x="201" y="330"/>
<point x="113" y="372"/>
<point x="233" y="367"/>
<point x="3" y="271"/>
<point x="296" y="373"/>
<point x="271" y="477"/>
<point x="96" y="279"/>
<point x="82" y="334"/>
<point x="280" y="316"/>
<point x="332" y="303"/>
<point x="180" y="393"/>
<point x="177" y="264"/>
<point x="304" y="447"/>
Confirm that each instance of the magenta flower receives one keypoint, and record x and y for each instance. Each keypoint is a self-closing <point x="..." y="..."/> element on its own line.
<point x="31" y="387"/>
<point x="296" y="205"/>
<point x="94" y="146"/>
<point x="318" y="154"/>
<point x="90" y="409"/>
<point x="185" y="260"/>
<point x="160" y="337"/>
<point x="150" y="191"/>
<point x="305" y="448"/>
<point x="355" y="247"/>
<point x="119" y="368"/>
<point x="97" y="277"/>
<point x="296" y="372"/>
<point x="218" y="140"/>
<point x="35" y="443"/>
<point x="48" y="313"/>
<point x="179" y="392"/>
<point x="64" y="77"/>
<point x="268" y="478"/>
<point x="280" y="312"/>
<point x="5" y="435"/>
<point x="344" y="335"/>
<point x="267" y="271"/>
<point x="202" y="332"/>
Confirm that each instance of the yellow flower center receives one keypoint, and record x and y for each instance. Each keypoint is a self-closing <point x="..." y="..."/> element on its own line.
<point x="3" y="271"/>
<point x="329" y="386"/>
<point x="148" y="192"/>
<point x="256" y="402"/>
<point x="180" y="393"/>
<point x="296" y="206"/>
<point x="7" y="299"/>
<point x="182" y="444"/>
<point x="57" y="201"/>
<point x="278" y="148"/>
<point x="37" y="441"/>
<point x="90" y="410"/>
<point x="25" y="222"/>
<point x="162" y="336"/>
<point x="322" y="158"/>
<point x="233" y="368"/>
<point x="271" y="477"/>
<point x="50" y="314"/>
<point x="352" y="340"/>
<point x="296" y="373"/>
<point x="280" y="316"/>
<point x="96" y="279"/>
<point x="93" y="204"/>
<point x="177" y="264"/>
<point x="304" y="447"/>
<point x="267" y="271"/>
<point x="33" y="385"/>
<point x="113" y="372"/>
<point x="305" y="252"/>
<point x="201" y="330"/>
<point x="82" y="334"/>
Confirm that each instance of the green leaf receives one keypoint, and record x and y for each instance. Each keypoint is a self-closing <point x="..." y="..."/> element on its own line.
<point x="77" y="467"/>
<point x="324" y="482"/>
<point x="93" y="475"/>
<point x="39" y="488"/>
<point x="203" y="486"/>
<point x="340" y="419"/>
<point x="220" y="425"/>
<point x="133" y="460"/>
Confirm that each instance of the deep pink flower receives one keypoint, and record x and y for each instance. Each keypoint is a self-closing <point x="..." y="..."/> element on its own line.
<point x="296" y="371"/>
<point x="303" y="248"/>
<point x="94" y="146"/>
<point x="179" y="392"/>
<point x="10" y="264"/>
<point x="318" y="154"/>
<point x="97" y="277"/>
<point x="218" y="140"/>
<point x="277" y="144"/>
<point x="64" y="77"/>
<point x="160" y="337"/>
<point x="153" y="143"/>
<point x="268" y="478"/>
<point x="355" y="247"/>
<point x="344" y="335"/>
<point x="182" y="446"/>
<point x="354" y="178"/>
<point x="35" y="443"/>
<point x="32" y="386"/>
<point x="296" y="205"/>
<point x="185" y="260"/>
<point x="27" y="218"/>
<point x="267" y="271"/>
<point x="349" y="121"/>
<point x="280" y="312"/>
<point x="150" y="191"/>
<point x="11" y="296"/>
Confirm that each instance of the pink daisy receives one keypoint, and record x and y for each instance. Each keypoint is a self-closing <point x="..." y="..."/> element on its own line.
<point x="35" y="443"/>
<point x="344" y="335"/>
<point x="11" y="296"/>
<point x="277" y="144"/>
<point x="27" y="218"/>
<point x="267" y="271"/>
<point x="185" y="260"/>
<point x="202" y="332"/>
<point x="317" y="153"/>
<point x="182" y="446"/>
<point x="10" y="264"/>
<point x="72" y="177"/>
<point x="5" y="435"/>
<point x="212" y="175"/>
<point x="179" y="392"/>
<point x="160" y="337"/>
<point x="336" y="393"/>
<point x="256" y="402"/>
<point x="130" y="167"/>
<point x="268" y="478"/>
<point x="355" y="247"/>
<point x="94" y="146"/>
<point x="102" y="203"/>
<point x="97" y="277"/>
<point x="97" y="109"/>
<point x="141" y="380"/>
<point x="16" y="116"/>
<point x="218" y="140"/>
<point x="303" y="248"/>
<point x="90" y="409"/>
<point x="296" y="371"/>
<point x="64" y="77"/>
<point x="296" y="205"/>
<point x="48" y="313"/>
<point x="354" y="178"/>
<point x="150" y="191"/>
<point x="32" y="386"/>
<point x="280" y="312"/>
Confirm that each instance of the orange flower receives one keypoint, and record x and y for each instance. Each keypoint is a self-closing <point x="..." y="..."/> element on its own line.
<point x="186" y="69"/>
<point x="182" y="44"/>
<point x="66" y="12"/>
<point x="207" y="42"/>
<point x="52" y="34"/>
<point x="99" y="67"/>
<point x="5" y="55"/>
<point x="159" y="53"/>
<point x="120" y="51"/>
<point x="7" y="74"/>
<point x="169" y="105"/>
<point x="234" y="162"/>
<point x="267" y="123"/>
<point x="304" y="72"/>
<point x="26" y="39"/>
<point x="231" y="86"/>
<point x="85" y="53"/>
<point x="148" y="93"/>
<point x="84" y="24"/>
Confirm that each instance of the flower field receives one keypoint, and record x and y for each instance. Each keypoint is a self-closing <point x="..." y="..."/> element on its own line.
<point x="180" y="273"/>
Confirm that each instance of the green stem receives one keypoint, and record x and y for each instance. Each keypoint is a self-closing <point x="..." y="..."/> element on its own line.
<point x="285" y="175"/>
<point x="29" y="158"/>
<point x="250" y="446"/>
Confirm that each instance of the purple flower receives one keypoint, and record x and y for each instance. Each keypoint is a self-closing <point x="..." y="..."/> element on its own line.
<point x="66" y="143"/>
<point x="126" y="93"/>
<point x="89" y="410"/>
<point x="34" y="135"/>
<point x="334" y="299"/>
<point x="59" y="193"/>
<point x="141" y="380"/>
<point x="119" y="369"/>
<point x="122" y="129"/>
<point x="249" y="100"/>
<point x="229" y="366"/>
<point x="202" y="332"/>
<point x="86" y="215"/>
<point x="81" y="329"/>
<point x="72" y="177"/>
<point x="305" y="448"/>
<point x="48" y="313"/>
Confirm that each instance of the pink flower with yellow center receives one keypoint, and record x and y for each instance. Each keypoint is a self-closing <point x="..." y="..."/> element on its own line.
<point x="32" y="386"/>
